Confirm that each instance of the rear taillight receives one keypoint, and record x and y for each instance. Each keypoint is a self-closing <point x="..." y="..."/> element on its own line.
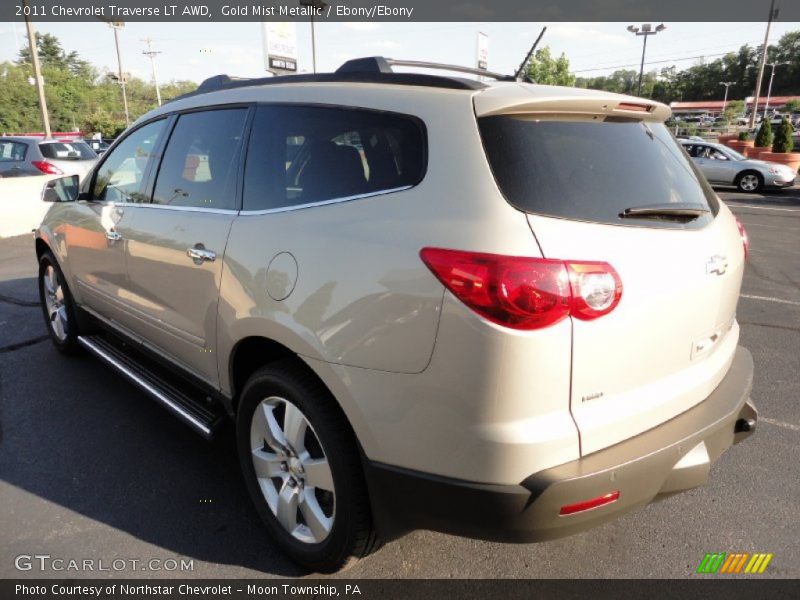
<point x="571" y="509"/>
<point x="526" y="293"/>
<point x="743" y="235"/>
<point x="46" y="167"/>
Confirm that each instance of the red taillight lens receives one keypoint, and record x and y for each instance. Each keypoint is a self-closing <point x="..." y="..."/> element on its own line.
<point x="522" y="292"/>
<point x="46" y="167"/>
<point x="571" y="509"/>
<point x="743" y="235"/>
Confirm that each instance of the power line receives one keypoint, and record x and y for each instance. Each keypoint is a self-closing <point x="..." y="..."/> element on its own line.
<point x="653" y="62"/>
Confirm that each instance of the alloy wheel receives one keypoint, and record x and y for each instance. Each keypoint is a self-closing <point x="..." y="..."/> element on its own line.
<point x="55" y="303"/>
<point x="292" y="470"/>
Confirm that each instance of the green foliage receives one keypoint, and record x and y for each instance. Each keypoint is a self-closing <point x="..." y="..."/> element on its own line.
<point x="783" y="137"/>
<point x="733" y="109"/>
<point x="792" y="106"/>
<point x="744" y="136"/>
<point x="543" y="68"/>
<point x="78" y="96"/>
<point x="764" y="135"/>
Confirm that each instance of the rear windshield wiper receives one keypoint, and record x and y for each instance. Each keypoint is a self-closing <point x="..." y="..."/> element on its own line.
<point x="669" y="210"/>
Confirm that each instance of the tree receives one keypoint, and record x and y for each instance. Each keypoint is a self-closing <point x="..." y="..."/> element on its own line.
<point x="764" y="136"/>
<point x="792" y="106"/>
<point x="783" y="137"/>
<point x="733" y="109"/>
<point x="52" y="54"/>
<point x="543" y="68"/>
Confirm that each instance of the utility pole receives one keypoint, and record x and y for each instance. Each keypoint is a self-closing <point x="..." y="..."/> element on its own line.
<point x="116" y="26"/>
<point x="151" y="54"/>
<point x="772" y="14"/>
<point x="37" y="74"/>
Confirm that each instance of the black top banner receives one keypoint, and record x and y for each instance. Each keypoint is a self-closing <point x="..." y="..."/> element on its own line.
<point x="400" y="10"/>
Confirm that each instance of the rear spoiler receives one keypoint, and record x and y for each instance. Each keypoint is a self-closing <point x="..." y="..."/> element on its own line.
<point x="541" y="100"/>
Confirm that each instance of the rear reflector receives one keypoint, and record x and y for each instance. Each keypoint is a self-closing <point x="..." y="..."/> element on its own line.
<point x="526" y="293"/>
<point x="571" y="509"/>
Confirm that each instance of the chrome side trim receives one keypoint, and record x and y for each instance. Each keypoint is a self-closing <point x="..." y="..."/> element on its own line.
<point x="168" y="403"/>
<point x="200" y="209"/>
<point x="269" y="211"/>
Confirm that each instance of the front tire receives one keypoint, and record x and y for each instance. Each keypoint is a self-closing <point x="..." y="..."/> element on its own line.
<point x="302" y="468"/>
<point x="58" y="307"/>
<point x="749" y="182"/>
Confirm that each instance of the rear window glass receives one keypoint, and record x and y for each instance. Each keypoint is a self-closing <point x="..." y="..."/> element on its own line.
<point x="67" y="151"/>
<point x="305" y="154"/>
<point x="12" y="151"/>
<point x="593" y="171"/>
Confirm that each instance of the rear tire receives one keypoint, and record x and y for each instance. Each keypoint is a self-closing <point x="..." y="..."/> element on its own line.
<point x="294" y="443"/>
<point x="58" y="307"/>
<point x="749" y="182"/>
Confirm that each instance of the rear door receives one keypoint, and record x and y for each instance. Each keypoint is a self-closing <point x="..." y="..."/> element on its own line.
<point x="176" y="246"/>
<point x="671" y="339"/>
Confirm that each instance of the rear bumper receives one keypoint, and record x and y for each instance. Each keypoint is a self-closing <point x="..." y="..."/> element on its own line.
<point x="670" y="458"/>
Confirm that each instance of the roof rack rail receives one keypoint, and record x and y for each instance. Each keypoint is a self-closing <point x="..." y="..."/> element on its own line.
<point x="379" y="64"/>
<point x="373" y="69"/>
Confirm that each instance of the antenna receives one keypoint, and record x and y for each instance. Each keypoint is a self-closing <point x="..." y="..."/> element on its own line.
<point x="521" y="70"/>
<point x="151" y="54"/>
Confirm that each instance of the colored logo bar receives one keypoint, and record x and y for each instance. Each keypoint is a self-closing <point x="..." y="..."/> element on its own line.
<point x="734" y="563"/>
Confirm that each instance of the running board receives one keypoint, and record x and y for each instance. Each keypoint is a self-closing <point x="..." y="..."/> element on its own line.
<point x="197" y="414"/>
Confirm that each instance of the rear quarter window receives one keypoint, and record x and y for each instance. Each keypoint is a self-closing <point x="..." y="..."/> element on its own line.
<point x="299" y="155"/>
<point x="12" y="151"/>
<point x="591" y="170"/>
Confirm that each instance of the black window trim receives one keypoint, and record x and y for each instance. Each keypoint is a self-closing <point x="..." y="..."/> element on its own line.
<point x="266" y="211"/>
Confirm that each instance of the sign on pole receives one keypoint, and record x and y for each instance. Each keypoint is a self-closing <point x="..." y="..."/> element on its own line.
<point x="482" y="57"/>
<point x="280" y="47"/>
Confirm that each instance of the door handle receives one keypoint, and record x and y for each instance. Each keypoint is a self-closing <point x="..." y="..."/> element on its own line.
<point x="199" y="254"/>
<point x="113" y="236"/>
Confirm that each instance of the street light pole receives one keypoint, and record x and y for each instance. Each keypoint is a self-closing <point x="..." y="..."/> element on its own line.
<point x="760" y="77"/>
<point x="37" y="75"/>
<point x="116" y="26"/>
<point x="645" y="30"/>
<point x="727" y="84"/>
<point x="769" y="87"/>
<point x="315" y="5"/>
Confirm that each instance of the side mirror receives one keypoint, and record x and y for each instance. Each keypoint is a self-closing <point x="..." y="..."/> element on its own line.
<point x="63" y="189"/>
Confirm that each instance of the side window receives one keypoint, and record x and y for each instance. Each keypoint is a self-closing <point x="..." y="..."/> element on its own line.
<point x="301" y="155"/>
<point x="199" y="165"/>
<point x="121" y="176"/>
<point x="12" y="151"/>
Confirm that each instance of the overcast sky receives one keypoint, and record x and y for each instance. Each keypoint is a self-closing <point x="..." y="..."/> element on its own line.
<point x="195" y="51"/>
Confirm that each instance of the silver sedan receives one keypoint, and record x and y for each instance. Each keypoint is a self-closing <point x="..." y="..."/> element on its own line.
<point x="724" y="166"/>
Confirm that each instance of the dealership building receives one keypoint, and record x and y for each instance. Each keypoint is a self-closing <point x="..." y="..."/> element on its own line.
<point x="715" y="107"/>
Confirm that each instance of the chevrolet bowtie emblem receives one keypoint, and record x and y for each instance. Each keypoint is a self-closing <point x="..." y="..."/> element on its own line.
<point x="717" y="264"/>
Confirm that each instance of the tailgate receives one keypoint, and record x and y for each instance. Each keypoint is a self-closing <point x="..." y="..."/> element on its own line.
<point x="671" y="339"/>
<point x="620" y="190"/>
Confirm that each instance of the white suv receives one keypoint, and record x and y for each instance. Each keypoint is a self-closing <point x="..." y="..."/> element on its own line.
<point x="500" y="310"/>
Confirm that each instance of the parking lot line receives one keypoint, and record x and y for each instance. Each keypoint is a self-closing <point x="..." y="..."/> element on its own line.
<point x="770" y="299"/>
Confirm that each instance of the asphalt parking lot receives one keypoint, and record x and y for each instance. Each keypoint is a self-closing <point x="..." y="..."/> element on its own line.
<point x="92" y="469"/>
